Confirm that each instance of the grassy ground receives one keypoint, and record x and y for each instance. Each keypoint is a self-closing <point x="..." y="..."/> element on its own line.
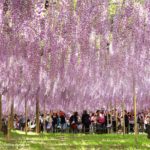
<point x="58" y="141"/>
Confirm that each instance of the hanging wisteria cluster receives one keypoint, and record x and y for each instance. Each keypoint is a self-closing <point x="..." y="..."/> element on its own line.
<point x="74" y="54"/>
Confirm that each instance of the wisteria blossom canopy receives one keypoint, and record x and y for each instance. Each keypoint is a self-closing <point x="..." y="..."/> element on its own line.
<point x="74" y="54"/>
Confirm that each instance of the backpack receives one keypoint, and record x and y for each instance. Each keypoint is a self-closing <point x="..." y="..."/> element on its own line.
<point x="101" y="119"/>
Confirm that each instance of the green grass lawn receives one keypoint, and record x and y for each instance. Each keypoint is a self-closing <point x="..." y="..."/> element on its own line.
<point x="64" y="141"/>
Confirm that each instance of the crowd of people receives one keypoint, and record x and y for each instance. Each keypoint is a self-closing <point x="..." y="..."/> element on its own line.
<point x="101" y="121"/>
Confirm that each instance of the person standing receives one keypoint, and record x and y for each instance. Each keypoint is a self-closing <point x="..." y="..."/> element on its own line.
<point x="85" y="122"/>
<point x="126" y="118"/>
<point x="74" y="122"/>
<point x="54" y="122"/>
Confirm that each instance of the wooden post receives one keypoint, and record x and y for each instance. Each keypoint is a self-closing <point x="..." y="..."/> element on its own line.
<point x="8" y="121"/>
<point x="107" y="119"/>
<point x="111" y="116"/>
<point x="116" y="121"/>
<point x="12" y="115"/>
<point x="0" y="112"/>
<point x="9" y="127"/>
<point x="116" y="116"/>
<point x="26" y="115"/>
<point x="37" y="115"/>
<point x="44" y="114"/>
<point x="135" y="113"/>
<point x="123" y="109"/>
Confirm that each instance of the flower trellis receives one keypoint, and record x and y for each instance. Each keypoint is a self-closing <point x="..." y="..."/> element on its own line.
<point x="80" y="54"/>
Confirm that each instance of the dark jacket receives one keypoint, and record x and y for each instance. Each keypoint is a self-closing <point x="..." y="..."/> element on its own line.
<point x="86" y="119"/>
<point x="126" y="118"/>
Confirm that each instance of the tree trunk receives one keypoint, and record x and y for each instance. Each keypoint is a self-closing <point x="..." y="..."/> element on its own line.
<point x="37" y="115"/>
<point x="0" y="111"/>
